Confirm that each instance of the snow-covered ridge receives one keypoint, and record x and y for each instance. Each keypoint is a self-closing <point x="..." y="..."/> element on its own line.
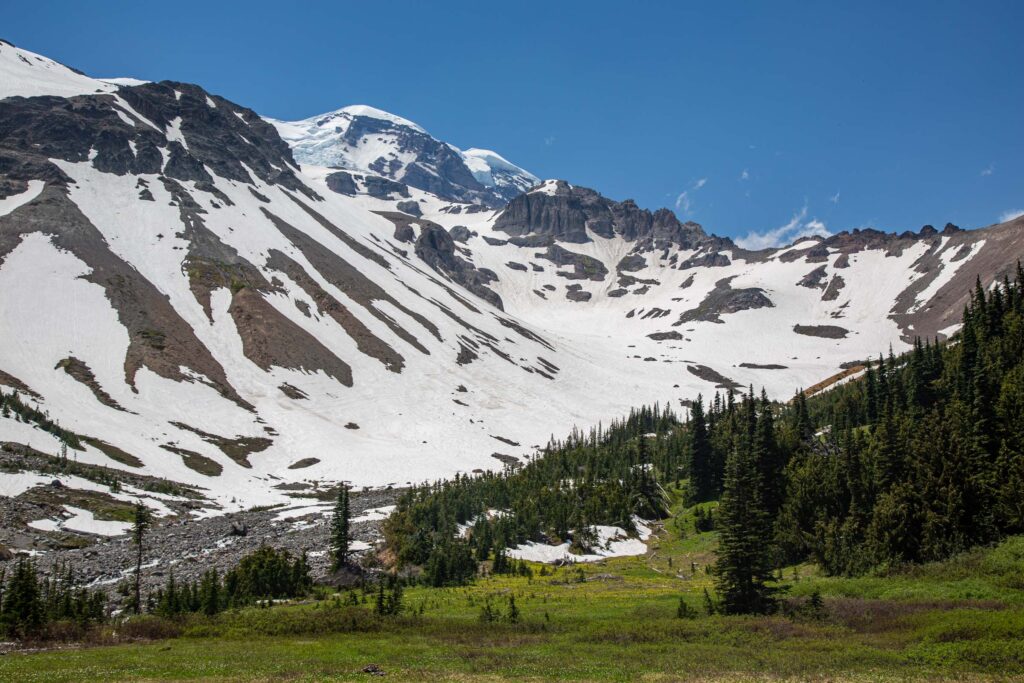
<point x="26" y="74"/>
<point x="492" y="169"/>
<point x="375" y="113"/>
<point x="369" y="140"/>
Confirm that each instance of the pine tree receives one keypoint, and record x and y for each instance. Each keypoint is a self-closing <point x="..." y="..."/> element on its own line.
<point x="702" y="476"/>
<point x="340" y="524"/>
<point x="743" y="567"/>
<point x="22" y="608"/>
<point x="513" y="611"/>
<point x="140" y="526"/>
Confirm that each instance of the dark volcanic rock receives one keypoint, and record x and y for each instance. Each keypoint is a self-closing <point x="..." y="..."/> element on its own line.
<point x="227" y="140"/>
<point x="404" y="233"/>
<point x="709" y="375"/>
<point x="382" y="188"/>
<point x="825" y="331"/>
<point x="342" y="182"/>
<point x="814" y="279"/>
<point x="659" y="336"/>
<point x="709" y="260"/>
<point x="723" y="299"/>
<point x="437" y="249"/>
<point x="834" y="287"/>
<point x="576" y="293"/>
<point x="567" y="213"/>
<point x="410" y="207"/>
<point x="460" y="233"/>
<point x="584" y="267"/>
<point x="631" y="263"/>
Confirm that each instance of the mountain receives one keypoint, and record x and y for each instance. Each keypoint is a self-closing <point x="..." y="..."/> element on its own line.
<point x="26" y="74"/>
<point x="368" y="140"/>
<point x="186" y="291"/>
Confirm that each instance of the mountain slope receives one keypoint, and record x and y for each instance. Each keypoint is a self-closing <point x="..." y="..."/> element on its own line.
<point x="185" y="293"/>
<point x="368" y="140"/>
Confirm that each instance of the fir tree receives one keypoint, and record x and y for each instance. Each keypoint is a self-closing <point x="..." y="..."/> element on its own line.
<point x="702" y="476"/>
<point x="340" y="523"/>
<point x="743" y="567"/>
<point x="140" y="525"/>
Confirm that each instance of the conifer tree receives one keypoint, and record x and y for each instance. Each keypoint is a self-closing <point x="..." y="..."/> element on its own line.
<point x="140" y="525"/>
<point x="702" y="476"/>
<point x="743" y="567"/>
<point x="340" y="523"/>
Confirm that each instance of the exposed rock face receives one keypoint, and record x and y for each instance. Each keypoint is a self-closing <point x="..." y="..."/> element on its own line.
<point x="709" y="260"/>
<point x="569" y="213"/>
<point x="631" y="263"/>
<point x="382" y="188"/>
<point x="437" y="249"/>
<point x="710" y="375"/>
<point x="342" y="182"/>
<point x="577" y="293"/>
<point x="826" y="331"/>
<point x="584" y="267"/>
<point x="835" y="286"/>
<point x="722" y="300"/>
<point x="410" y="207"/>
<point x="159" y="338"/>
<point x="82" y="373"/>
<point x="815" y="278"/>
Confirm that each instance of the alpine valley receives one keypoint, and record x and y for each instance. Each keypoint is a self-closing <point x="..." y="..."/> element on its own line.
<point x="329" y="398"/>
<point x="255" y="308"/>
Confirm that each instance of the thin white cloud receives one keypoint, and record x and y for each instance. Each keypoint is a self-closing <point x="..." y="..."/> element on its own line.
<point x="549" y="140"/>
<point x="745" y="175"/>
<point x="684" y="202"/>
<point x="1010" y="215"/>
<point x="834" y="198"/>
<point x="796" y="228"/>
<point x="989" y="170"/>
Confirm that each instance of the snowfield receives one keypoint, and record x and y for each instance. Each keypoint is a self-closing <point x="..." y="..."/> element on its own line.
<point x="612" y="541"/>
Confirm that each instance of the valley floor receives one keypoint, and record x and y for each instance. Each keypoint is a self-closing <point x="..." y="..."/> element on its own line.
<point x="615" y="620"/>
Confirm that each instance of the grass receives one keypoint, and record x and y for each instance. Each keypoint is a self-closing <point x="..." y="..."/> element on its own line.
<point x="615" y="620"/>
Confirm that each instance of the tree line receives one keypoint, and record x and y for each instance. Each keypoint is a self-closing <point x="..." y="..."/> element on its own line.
<point x="603" y="477"/>
<point x="919" y="458"/>
<point x="30" y="601"/>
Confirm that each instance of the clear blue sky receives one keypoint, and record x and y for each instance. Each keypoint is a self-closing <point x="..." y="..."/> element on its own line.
<point x="885" y="114"/>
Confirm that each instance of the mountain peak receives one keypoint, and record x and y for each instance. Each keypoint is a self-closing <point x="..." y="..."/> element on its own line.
<point x="367" y="111"/>
<point x="369" y="140"/>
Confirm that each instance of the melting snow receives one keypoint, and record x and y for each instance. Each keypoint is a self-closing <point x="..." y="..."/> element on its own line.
<point x="83" y="521"/>
<point x="612" y="541"/>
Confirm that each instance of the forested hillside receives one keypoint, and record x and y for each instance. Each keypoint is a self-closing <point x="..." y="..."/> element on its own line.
<point x="919" y="458"/>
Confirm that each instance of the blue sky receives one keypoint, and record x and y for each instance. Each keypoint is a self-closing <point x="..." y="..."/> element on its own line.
<point x="742" y="116"/>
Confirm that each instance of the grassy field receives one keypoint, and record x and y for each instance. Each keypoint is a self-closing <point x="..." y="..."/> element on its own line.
<point x="616" y="620"/>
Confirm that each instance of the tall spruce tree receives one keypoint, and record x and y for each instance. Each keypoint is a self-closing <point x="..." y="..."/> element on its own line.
<point x="743" y="567"/>
<point x="702" y="476"/>
<point x="340" y="524"/>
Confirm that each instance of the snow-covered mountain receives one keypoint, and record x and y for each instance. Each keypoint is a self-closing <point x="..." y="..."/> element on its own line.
<point x="368" y="140"/>
<point x="175" y="286"/>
